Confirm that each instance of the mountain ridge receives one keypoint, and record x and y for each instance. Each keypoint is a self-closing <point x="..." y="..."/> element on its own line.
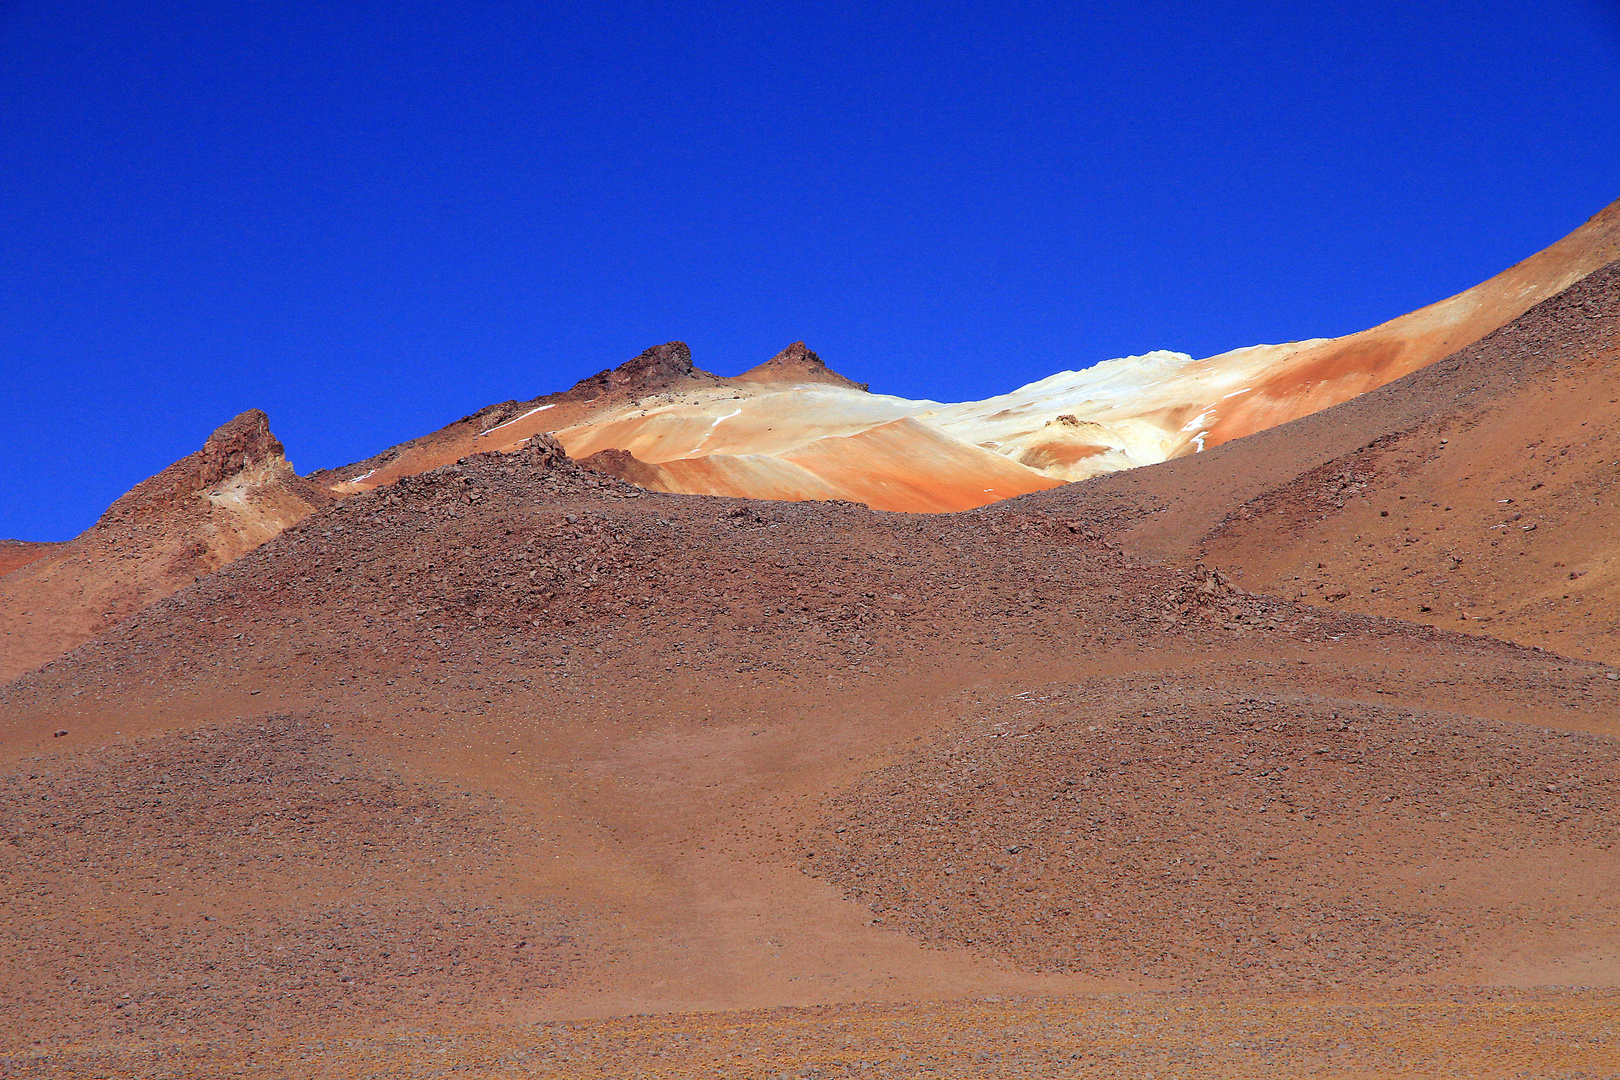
<point x="1129" y="412"/>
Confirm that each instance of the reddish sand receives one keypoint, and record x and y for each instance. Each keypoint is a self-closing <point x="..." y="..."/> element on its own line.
<point x="16" y="554"/>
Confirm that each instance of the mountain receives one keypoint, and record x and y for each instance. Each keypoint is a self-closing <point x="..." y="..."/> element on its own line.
<point x="189" y="520"/>
<point x="793" y="429"/>
<point x="1474" y="494"/>
<point x="502" y="765"/>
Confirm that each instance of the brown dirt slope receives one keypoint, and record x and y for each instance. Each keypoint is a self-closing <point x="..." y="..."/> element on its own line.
<point x="723" y="754"/>
<point x="1498" y="1036"/>
<point x="187" y="521"/>
<point x="1496" y="514"/>
<point x="318" y="902"/>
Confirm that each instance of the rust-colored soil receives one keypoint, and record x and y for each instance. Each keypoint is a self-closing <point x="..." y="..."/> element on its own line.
<point x="1472" y="1036"/>
<point x="16" y="554"/>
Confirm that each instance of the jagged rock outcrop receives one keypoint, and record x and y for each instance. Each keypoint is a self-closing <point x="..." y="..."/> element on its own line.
<point x="241" y="453"/>
<point x="204" y="511"/>
<point x="545" y="451"/>
<point x="657" y="368"/>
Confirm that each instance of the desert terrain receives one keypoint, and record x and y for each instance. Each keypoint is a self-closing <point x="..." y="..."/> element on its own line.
<point x="1293" y="753"/>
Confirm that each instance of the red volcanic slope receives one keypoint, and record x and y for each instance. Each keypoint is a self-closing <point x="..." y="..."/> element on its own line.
<point x="16" y="554"/>
<point x="797" y="365"/>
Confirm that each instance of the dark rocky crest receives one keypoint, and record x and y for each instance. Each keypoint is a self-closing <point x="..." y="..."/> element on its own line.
<point x="658" y="368"/>
<point x="240" y="443"/>
<point x="622" y="464"/>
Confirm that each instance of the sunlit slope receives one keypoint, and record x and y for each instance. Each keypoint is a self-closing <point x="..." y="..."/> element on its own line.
<point x="791" y="428"/>
<point x="900" y="465"/>
<point x="1304" y="380"/>
<point x="1493" y="512"/>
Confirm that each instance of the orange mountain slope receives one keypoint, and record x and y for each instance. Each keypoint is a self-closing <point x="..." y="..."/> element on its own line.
<point x="1498" y="515"/>
<point x="792" y="429"/>
<point x="1478" y="493"/>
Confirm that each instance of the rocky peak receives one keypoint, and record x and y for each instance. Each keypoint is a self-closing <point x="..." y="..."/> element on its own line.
<point x="656" y="368"/>
<point x="798" y="354"/>
<point x="798" y="363"/>
<point x="668" y="360"/>
<point x="240" y="443"/>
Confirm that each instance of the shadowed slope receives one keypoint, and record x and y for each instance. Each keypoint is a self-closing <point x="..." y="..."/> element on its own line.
<point x="1496" y="512"/>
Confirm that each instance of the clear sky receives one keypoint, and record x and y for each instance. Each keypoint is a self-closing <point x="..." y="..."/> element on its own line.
<point x="371" y="218"/>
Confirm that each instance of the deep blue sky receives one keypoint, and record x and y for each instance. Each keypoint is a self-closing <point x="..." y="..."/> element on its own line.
<point x="369" y="219"/>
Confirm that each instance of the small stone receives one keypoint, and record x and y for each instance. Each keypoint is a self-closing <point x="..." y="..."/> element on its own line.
<point x="58" y="733"/>
<point x="1613" y="676"/>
